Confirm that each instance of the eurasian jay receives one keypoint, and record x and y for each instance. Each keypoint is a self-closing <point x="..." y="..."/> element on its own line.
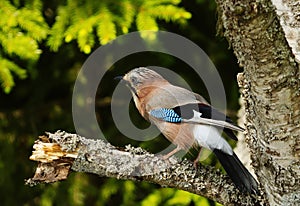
<point x="187" y="120"/>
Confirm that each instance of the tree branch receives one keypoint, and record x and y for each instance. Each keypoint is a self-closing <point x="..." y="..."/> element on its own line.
<point x="61" y="152"/>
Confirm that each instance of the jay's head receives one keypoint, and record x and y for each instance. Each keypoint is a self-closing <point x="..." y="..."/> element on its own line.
<point x="141" y="77"/>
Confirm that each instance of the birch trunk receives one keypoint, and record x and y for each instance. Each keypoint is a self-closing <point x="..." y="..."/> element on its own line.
<point x="271" y="91"/>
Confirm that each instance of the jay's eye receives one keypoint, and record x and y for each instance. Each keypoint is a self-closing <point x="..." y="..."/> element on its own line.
<point x="134" y="81"/>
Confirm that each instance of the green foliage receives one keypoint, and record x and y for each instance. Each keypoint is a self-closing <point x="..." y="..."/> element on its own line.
<point x="6" y="69"/>
<point x="23" y="27"/>
<point x="77" y="20"/>
<point x="173" y="197"/>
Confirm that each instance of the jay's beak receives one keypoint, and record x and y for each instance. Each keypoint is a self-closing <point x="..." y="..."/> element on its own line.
<point x="118" y="78"/>
<point x="121" y="78"/>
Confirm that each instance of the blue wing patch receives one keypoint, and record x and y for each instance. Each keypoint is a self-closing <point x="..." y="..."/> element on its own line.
<point x="168" y="115"/>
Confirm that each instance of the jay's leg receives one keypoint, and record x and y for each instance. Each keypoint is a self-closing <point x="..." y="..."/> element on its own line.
<point x="196" y="161"/>
<point x="167" y="156"/>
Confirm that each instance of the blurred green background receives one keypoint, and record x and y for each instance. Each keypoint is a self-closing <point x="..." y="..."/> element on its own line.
<point x="43" y="45"/>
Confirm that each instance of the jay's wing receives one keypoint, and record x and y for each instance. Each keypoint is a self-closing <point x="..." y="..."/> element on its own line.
<point x="197" y="114"/>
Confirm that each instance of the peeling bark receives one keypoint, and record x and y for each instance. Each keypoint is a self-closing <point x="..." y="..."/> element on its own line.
<point x="288" y="13"/>
<point x="61" y="152"/>
<point x="270" y="87"/>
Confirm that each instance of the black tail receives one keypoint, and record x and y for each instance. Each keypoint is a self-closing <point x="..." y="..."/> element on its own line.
<point x="238" y="173"/>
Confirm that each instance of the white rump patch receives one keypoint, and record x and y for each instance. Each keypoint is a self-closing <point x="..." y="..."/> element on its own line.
<point x="210" y="137"/>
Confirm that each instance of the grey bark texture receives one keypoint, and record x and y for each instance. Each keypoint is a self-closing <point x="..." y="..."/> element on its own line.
<point x="270" y="87"/>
